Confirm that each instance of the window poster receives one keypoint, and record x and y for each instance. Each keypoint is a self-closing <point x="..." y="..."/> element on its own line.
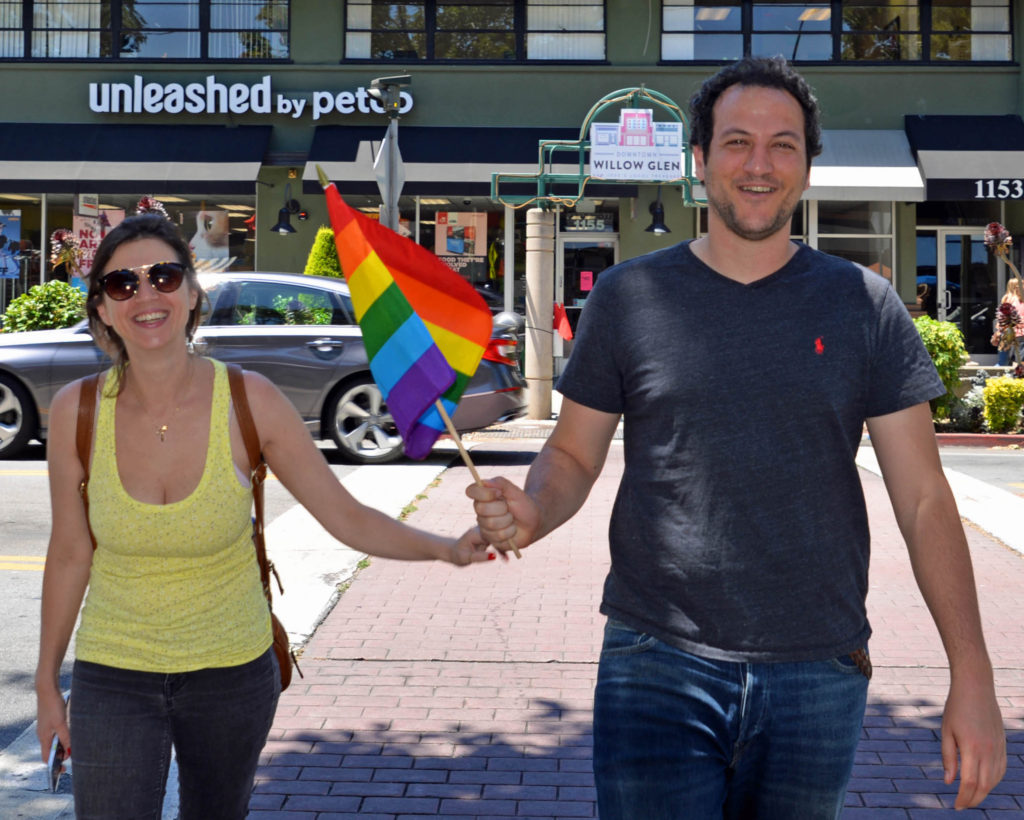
<point x="209" y="242"/>
<point x="460" y="240"/>
<point x="89" y="231"/>
<point x="10" y="244"/>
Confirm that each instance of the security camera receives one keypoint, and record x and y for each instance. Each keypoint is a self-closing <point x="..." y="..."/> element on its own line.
<point x="467" y="202"/>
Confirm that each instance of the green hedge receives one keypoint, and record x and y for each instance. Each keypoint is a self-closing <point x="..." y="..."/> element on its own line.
<point x="44" y="307"/>
<point x="1004" y="398"/>
<point x="945" y="344"/>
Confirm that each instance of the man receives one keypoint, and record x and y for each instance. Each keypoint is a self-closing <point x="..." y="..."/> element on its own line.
<point x="734" y="673"/>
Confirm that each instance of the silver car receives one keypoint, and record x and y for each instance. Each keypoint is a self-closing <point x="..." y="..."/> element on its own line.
<point x="299" y="331"/>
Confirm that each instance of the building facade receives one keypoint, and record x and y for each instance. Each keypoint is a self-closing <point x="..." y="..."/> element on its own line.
<point x="222" y="109"/>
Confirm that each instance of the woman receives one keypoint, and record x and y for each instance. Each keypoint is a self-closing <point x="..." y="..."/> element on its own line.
<point x="1002" y="338"/>
<point x="174" y="642"/>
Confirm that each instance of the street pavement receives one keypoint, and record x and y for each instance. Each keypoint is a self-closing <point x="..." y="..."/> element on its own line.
<point x="466" y="693"/>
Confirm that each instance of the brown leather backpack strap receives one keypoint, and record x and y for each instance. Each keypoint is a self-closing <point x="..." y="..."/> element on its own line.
<point x="258" y="473"/>
<point x="236" y="378"/>
<point x="257" y="469"/>
<point x="83" y="438"/>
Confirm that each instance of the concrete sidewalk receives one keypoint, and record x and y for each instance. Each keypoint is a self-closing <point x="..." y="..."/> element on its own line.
<point x="439" y="692"/>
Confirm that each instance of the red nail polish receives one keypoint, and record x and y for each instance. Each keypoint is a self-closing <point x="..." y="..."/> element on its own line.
<point x="491" y="556"/>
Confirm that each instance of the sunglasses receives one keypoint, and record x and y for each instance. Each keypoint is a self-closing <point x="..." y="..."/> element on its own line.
<point x="123" y="284"/>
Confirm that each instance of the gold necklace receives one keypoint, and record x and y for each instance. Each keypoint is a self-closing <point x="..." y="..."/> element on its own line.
<point x="161" y="429"/>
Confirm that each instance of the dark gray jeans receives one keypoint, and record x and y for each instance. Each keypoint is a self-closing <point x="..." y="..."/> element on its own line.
<point x="123" y="724"/>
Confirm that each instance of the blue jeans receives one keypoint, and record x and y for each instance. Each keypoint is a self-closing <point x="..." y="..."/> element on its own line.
<point x="123" y="724"/>
<point x="678" y="736"/>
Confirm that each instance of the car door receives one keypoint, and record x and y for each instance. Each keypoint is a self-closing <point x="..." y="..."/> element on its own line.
<point x="295" y="334"/>
<point x="74" y="356"/>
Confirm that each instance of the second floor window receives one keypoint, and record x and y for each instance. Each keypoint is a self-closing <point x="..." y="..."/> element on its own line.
<point x="924" y="31"/>
<point x="144" y="29"/>
<point x="483" y="30"/>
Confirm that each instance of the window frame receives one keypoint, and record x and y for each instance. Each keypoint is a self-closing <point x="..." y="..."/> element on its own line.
<point x="926" y="31"/>
<point x="520" y="30"/>
<point x="115" y="31"/>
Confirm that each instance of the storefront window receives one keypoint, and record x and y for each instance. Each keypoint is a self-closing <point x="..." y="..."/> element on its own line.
<point x="839" y="31"/>
<point x="485" y="30"/>
<point x="861" y="232"/>
<point x="145" y="30"/>
<point x="12" y="39"/>
<point x="855" y="218"/>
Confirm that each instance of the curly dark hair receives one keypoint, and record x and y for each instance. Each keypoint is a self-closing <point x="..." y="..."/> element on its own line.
<point x="134" y="228"/>
<point x="765" y="72"/>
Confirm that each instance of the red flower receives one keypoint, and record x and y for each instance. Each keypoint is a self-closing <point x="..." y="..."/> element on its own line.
<point x="1007" y="316"/>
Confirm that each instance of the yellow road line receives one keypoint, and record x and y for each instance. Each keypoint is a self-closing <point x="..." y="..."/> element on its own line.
<point x="39" y="558"/>
<point x="27" y="566"/>
<point x="24" y="472"/>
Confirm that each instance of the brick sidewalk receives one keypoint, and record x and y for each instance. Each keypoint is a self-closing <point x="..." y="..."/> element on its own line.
<point x="438" y="692"/>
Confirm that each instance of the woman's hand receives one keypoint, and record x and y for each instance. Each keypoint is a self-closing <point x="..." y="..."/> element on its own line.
<point x="52" y="719"/>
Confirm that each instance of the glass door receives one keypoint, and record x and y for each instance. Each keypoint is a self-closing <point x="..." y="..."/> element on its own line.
<point x="958" y="281"/>
<point x="579" y="260"/>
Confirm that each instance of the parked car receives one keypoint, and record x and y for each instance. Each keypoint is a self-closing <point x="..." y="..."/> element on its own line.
<point x="298" y="331"/>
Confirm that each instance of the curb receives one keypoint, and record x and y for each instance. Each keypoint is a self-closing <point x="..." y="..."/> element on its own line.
<point x="980" y="440"/>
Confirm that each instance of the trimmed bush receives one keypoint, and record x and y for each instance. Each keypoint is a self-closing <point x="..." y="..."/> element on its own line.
<point x="323" y="256"/>
<point x="945" y="344"/>
<point x="966" y="415"/>
<point x="1004" y="397"/>
<point x="44" y="307"/>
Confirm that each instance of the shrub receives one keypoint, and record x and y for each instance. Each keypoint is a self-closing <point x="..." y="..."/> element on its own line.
<point x="967" y="415"/>
<point x="1004" y="398"/>
<point x="51" y="305"/>
<point x="945" y="344"/>
<point x="323" y="256"/>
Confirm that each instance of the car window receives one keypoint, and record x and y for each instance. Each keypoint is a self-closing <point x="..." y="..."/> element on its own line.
<point x="272" y="303"/>
<point x="277" y="303"/>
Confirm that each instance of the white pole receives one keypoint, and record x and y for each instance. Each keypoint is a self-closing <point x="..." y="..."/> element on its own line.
<point x="540" y="278"/>
<point x="510" y="257"/>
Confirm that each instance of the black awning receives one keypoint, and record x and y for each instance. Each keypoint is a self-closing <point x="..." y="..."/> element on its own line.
<point x="157" y="159"/>
<point x="442" y="161"/>
<point x="964" y="157"/>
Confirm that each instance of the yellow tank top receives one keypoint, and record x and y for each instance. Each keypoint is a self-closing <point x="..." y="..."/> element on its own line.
<point x="173" y="587"/>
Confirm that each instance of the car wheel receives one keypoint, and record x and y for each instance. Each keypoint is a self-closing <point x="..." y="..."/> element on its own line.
<point x="17" y="417"/>
<point x="362" y="426"/>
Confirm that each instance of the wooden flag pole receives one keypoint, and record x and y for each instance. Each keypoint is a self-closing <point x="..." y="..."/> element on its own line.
<point x="465" y="457"/>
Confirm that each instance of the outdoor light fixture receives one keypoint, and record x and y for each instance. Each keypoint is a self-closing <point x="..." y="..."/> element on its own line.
<point x="657" y="210"/>
<point x="284" y="218"/>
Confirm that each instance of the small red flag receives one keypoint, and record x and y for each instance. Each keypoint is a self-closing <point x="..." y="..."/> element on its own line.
<point x="561" y="323"/>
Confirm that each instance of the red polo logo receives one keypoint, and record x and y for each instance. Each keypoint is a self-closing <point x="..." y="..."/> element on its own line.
<point x="819" y="346"/>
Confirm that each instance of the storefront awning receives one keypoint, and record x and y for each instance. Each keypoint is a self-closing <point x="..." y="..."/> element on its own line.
<point x="444" y="161"/>
<point x="854" y="165"/>
<point x="152" y="159"/>
<point x="865" y="165"/>
<point x="967" y="157"/>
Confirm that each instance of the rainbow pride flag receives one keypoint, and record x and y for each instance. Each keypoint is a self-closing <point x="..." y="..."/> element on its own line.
<point x="425" y="328"/>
